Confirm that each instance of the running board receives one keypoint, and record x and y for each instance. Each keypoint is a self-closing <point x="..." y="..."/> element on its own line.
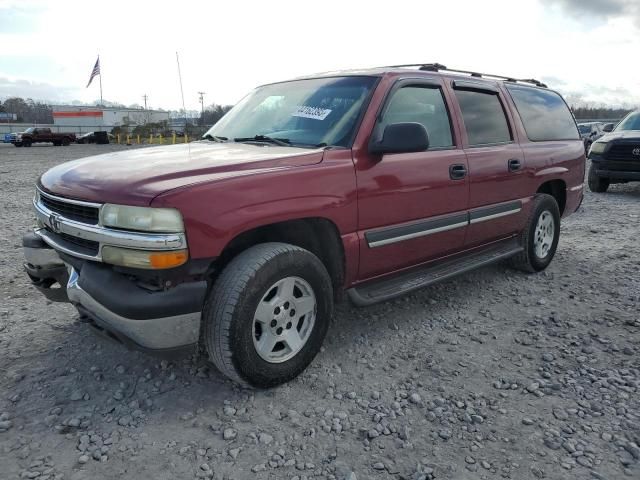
<point x="400" y="284"/>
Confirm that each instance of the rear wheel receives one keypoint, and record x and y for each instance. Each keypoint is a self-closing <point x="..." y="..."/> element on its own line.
<point x="267" y="314"/>
<point x="541" y="235"/>
<point x="597" y="184"/>
<point x="26" y="143"/>
<point x="65" y="142"/>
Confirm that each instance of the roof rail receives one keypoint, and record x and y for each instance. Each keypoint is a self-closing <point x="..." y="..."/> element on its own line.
<point x="436" y="67"/>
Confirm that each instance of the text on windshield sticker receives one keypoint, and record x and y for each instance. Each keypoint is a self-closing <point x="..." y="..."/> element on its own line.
<point x="311" y="112"/>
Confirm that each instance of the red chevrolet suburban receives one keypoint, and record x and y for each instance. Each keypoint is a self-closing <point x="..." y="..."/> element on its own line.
<point x="374" y="183"/>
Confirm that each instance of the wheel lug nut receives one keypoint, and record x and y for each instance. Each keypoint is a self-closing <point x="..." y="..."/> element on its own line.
<point x="279" y="331"/>
<point x="292" y="312"/>
<point x="286" y="305"/>
<point x="277" y="310"/>
<point x="288" y="325"/>
<point x="273" y="323"/>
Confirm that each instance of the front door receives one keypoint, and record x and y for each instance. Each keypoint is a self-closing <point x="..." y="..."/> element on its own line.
<point x="412" y="206"/>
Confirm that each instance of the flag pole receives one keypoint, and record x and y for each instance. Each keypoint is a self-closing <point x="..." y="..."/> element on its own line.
<point x="101" y="104"/>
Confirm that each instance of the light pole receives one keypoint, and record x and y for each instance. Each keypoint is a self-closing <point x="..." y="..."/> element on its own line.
<point x="201" y="107"/>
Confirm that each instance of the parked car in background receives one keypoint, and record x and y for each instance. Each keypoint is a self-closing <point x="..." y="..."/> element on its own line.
<point x="373" y="182"/>
<point x="9" y="137"/>
<point x="590" y="132"/>
<point x="94" y="137"/>
<point x="42" y="135"/>
<point x="615" y="157"/>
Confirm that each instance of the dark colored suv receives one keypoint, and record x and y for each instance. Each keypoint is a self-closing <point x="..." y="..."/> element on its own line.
<point x="615" y="157"/>
<point x="374" y="183"/>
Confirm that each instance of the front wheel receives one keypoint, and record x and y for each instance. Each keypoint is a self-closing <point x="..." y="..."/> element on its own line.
<point x="267" y="314"/>
<point x="540" y="236"/>
<point x="597" y="184"/>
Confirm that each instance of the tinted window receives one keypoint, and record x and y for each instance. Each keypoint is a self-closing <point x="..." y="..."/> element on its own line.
<point x="483" y="117"/>
<point x="544" y="114"/>
<point x="423" y="105"/>
<point x="630" y="122"/>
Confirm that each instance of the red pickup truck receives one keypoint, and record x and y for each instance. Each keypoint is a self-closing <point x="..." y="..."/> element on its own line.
<point x="373" y="182"/>
<point x="42" y="135"/>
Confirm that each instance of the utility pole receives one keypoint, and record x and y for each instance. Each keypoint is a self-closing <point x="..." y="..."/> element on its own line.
<point x="202" y="106"/>
<point x="145" y="96"/>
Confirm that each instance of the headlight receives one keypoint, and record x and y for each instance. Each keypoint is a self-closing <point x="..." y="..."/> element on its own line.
<point x="144" y="219"/>
<point x="158" y="260"/>
<point x="597" y="147"/>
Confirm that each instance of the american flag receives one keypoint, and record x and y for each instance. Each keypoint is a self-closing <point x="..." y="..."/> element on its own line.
<point x="95" y="71"/>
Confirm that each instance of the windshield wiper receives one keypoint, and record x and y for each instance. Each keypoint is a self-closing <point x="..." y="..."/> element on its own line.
<point x="283" y="142"/>
<point x="214" y="138"/>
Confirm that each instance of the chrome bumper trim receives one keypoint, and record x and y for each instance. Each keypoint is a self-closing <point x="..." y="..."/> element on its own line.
<point x="102" y="235"/>
<point x="156" y="333"/>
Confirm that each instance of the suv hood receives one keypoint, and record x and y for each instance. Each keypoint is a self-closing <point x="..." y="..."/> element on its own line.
<point x="621" y="135"/>
<point x="136" y="177"/>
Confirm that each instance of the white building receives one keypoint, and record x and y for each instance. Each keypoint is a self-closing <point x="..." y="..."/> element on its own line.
<point x="82" y="119"/>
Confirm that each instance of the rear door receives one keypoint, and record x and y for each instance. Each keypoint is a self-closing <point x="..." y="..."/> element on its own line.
<point x="410" y="208"/>
<point x="496" y="162"/>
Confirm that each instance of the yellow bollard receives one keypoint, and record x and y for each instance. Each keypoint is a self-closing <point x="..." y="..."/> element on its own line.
<point x="161" y="139"/>
<point x="128" y="140"/>
<point x="174" y="138"/>
<point x="138" y="138"/>
<point x="118" y="138"/>
<point x="151" y="138"/>
<point x="186" y="138"/>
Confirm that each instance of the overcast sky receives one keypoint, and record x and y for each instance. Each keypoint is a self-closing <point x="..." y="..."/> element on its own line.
<point x="587" y="49"/>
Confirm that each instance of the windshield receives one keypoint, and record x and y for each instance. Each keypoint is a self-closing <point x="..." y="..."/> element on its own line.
<point x="314" y="112"/>
<point x="630" y="122"/>
<point x="29" y="130"/>
<point x="584" y="128"/>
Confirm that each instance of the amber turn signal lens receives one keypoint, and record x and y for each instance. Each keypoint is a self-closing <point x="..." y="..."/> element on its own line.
<point x="168" y="259"/>
<point x="155" y="260"/>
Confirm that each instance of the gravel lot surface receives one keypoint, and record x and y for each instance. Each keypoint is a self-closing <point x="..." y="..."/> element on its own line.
<point x="496" y="374"/>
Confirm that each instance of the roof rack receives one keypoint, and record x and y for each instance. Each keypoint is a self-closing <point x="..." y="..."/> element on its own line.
<point x="436" y="67"/>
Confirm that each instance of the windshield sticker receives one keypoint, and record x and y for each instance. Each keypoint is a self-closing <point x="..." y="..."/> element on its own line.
<point x="311" y="112"/>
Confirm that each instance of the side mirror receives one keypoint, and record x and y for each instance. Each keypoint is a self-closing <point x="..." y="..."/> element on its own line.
<point x="608" y="127"/>
<point x="401" y="138"/>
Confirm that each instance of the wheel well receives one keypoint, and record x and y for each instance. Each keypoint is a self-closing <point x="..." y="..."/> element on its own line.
<point x="558" y="190"/>
<point x="318" y="235"/>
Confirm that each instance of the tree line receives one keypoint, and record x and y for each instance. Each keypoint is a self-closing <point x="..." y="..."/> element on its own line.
<point x="599" y="112"/>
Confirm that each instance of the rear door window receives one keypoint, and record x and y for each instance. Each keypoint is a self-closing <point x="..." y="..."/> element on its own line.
<point x="484" y="117"/>
<point x="544" y="114"/>
<point x="421" y="104"/>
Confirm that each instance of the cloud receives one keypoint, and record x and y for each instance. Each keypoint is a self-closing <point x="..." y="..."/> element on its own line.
<point x="599" y="11"/>
<point x="35" y="90"/>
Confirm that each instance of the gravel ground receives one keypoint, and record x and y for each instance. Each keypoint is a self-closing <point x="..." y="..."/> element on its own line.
<point x="496" y="374"/>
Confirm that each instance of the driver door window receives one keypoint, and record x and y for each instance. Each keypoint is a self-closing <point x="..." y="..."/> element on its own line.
<point x="424" y="105"/>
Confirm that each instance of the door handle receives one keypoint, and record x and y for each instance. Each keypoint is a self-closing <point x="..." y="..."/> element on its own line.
<point x="457" y="171"/>
<point x="514" y="164"/>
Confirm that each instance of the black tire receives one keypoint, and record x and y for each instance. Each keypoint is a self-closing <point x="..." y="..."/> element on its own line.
<point x="65" y="142"/>
<point x="528" y="260"/>
<point x="228" y="314"/>
<point x="597" y="184"/>
<point x="26" y="143"/>
<point x="17" y="144"/>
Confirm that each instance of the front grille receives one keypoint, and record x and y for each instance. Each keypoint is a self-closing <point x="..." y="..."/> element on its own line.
<point x="79" y="213"/>
<point x="623" y="152"/>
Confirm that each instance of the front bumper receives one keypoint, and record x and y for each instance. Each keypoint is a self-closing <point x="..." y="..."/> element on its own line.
<point x="115" y="305"/>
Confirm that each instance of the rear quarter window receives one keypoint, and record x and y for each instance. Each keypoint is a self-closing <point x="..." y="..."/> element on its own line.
<point x="544" y="113"/>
